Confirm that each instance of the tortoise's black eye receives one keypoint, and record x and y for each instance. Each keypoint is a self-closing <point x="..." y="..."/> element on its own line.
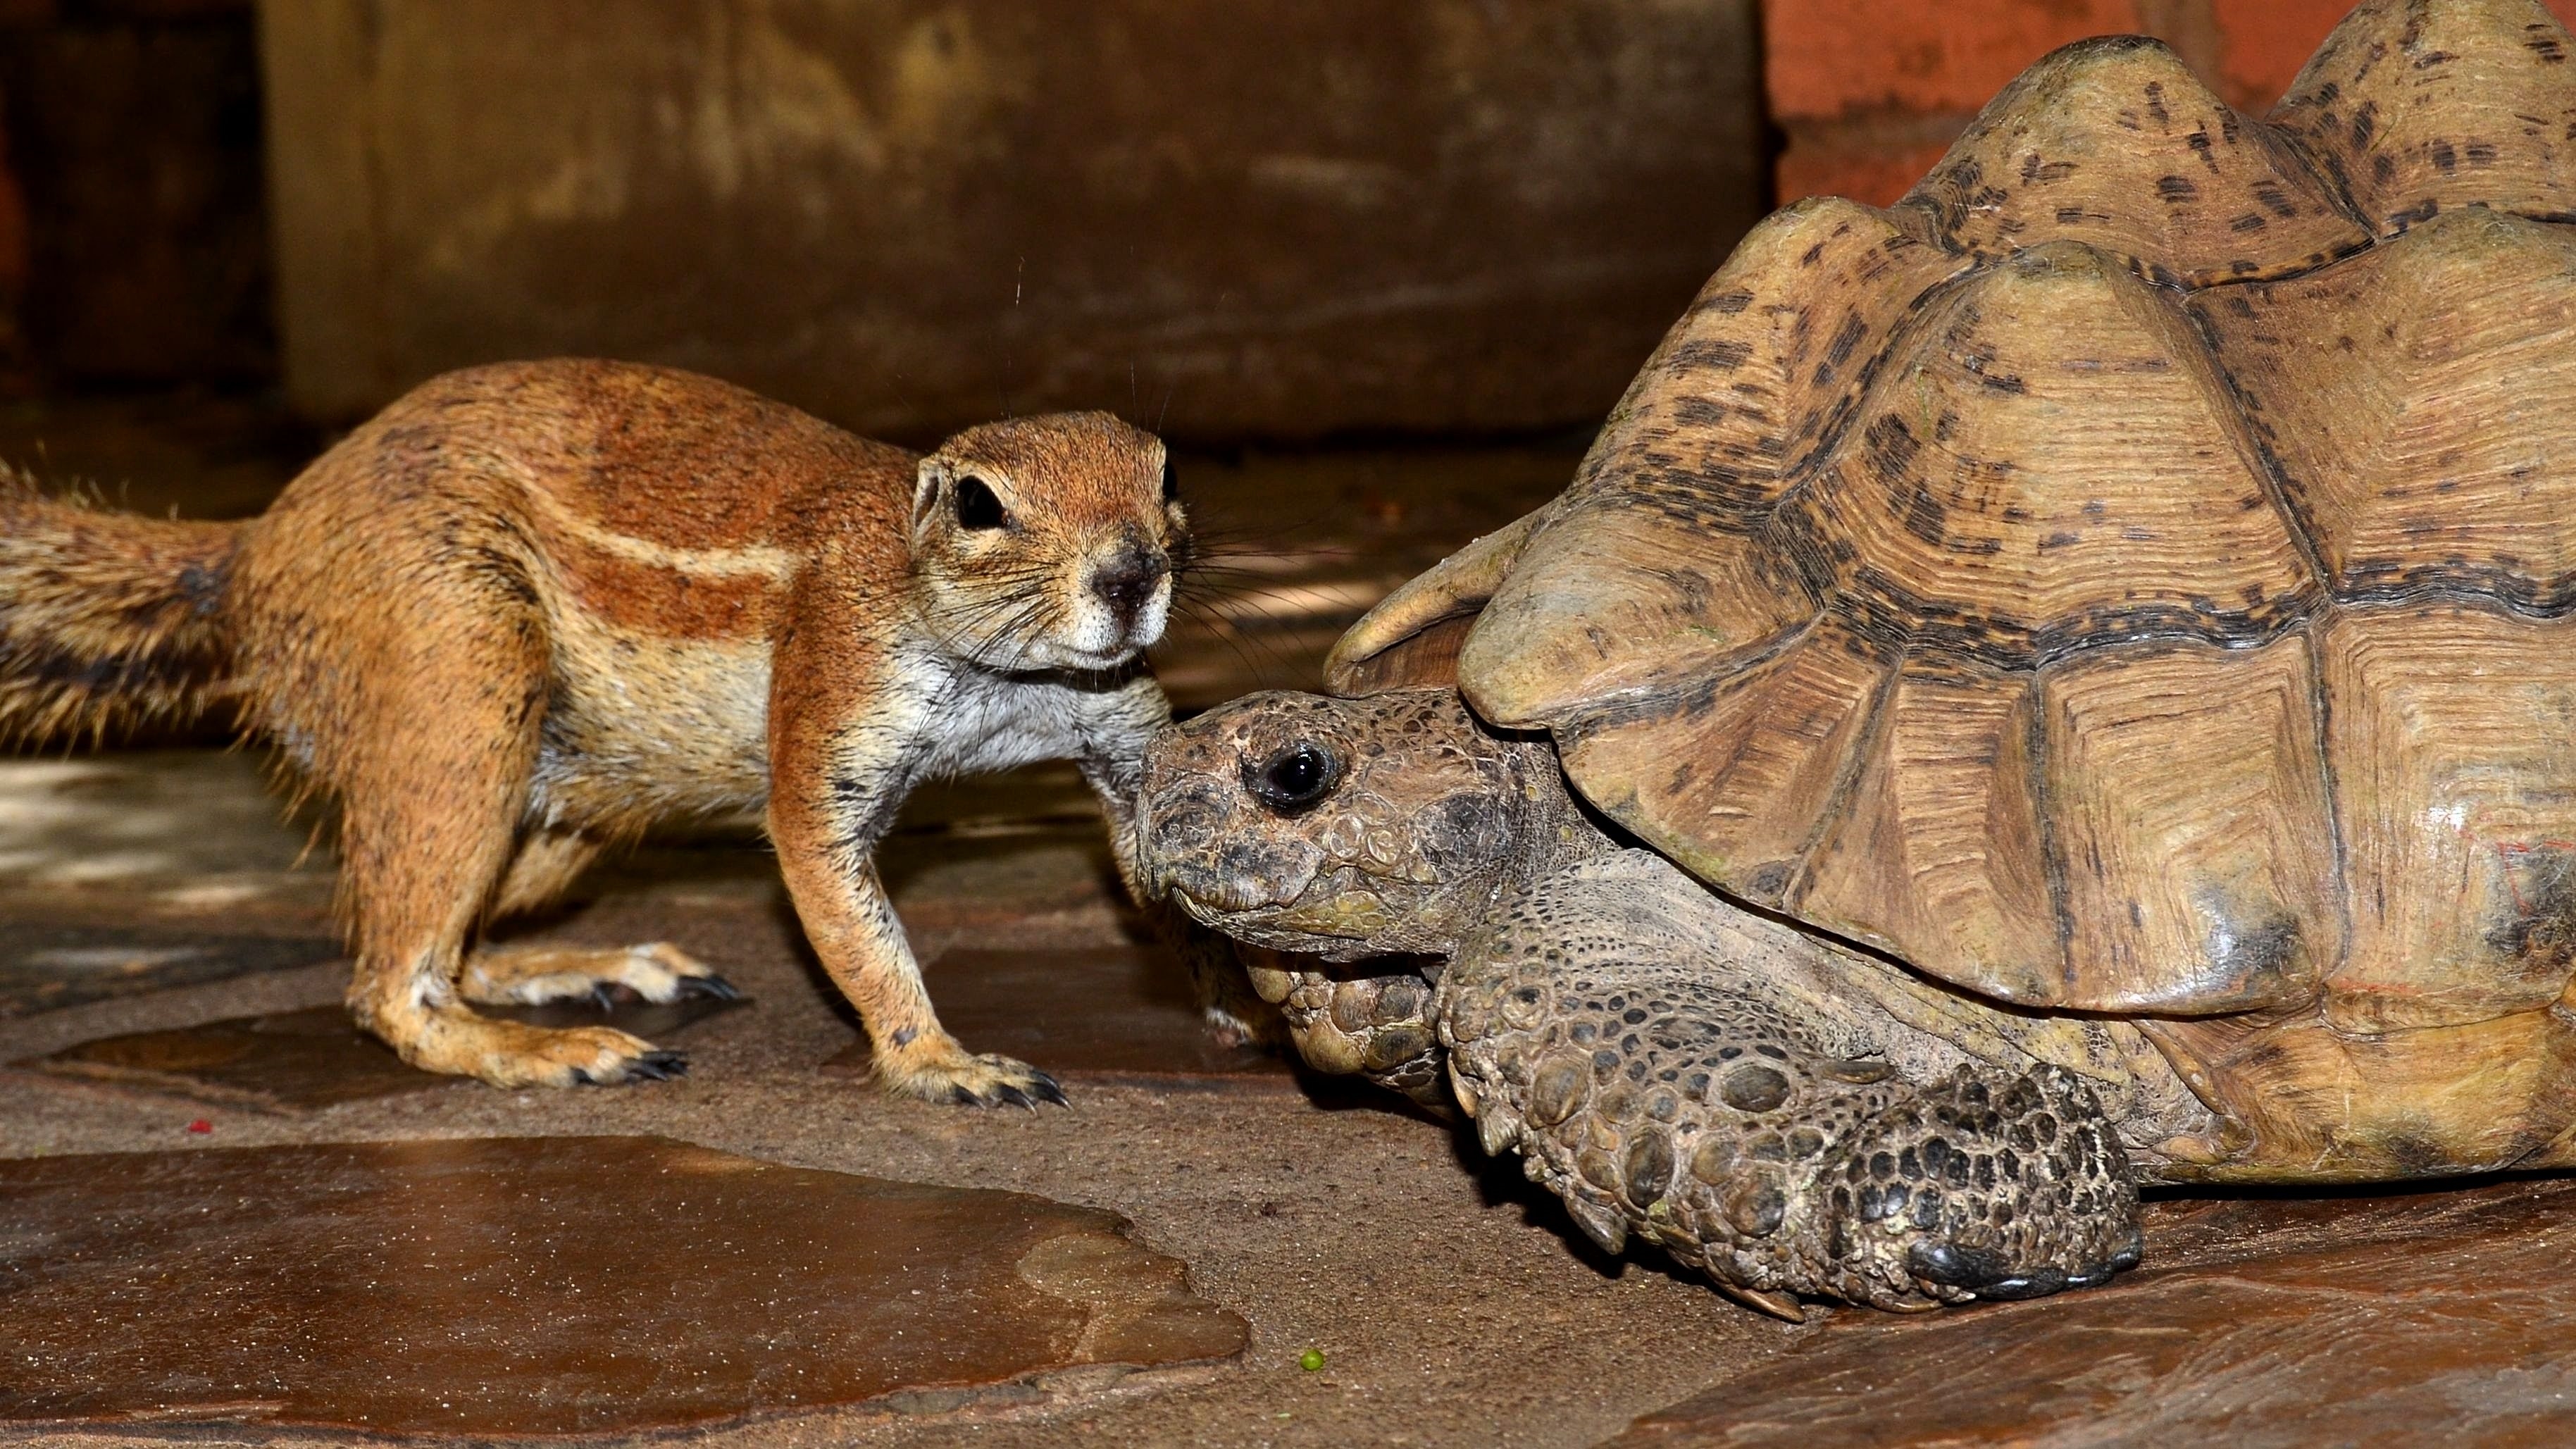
<point x="1293" y="779"/>
<point x="977" y="508"/>
<point x="1171" y="482"/>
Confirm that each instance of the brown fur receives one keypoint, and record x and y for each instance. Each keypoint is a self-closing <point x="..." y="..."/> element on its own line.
<point x="107" y="621"/>
<point x="530" y="609"/>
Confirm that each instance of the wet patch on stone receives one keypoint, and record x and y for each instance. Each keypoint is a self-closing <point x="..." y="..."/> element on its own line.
<point x="2440" y="1317"/>
<point x="43" y="968"/>
<point x="519" y="1286"/>
<point x="301" y="1061"/>
<point x="1116" y="1014"/>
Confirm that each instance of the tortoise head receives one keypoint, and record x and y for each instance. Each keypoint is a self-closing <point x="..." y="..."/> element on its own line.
<point x="1346" y="828"/>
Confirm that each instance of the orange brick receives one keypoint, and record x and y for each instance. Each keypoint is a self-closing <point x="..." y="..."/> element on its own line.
<point x="1877" y="175"/>
<point x="2262" y="43"/>
<point x="1827" y="58"/>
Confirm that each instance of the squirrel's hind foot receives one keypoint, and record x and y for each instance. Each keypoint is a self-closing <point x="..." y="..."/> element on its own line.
<point x="454" y="1040"/>
<point x="526" y="975"/>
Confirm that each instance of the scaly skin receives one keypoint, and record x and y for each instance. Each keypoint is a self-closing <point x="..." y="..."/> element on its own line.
<point x="1660" y="1096"/>
<point x="1670" y="1066"/>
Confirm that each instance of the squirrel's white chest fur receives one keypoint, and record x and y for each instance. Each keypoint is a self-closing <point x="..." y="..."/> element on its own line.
<point x="953" y="717"/>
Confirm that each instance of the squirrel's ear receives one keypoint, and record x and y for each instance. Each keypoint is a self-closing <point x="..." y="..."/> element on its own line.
<point x="925" y="494"/>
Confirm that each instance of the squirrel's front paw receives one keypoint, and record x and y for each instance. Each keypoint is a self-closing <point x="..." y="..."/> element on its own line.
<point x="937" y="1069"/>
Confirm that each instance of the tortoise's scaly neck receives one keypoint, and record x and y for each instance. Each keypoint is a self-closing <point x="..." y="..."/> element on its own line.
<point x="1563" y="829"/>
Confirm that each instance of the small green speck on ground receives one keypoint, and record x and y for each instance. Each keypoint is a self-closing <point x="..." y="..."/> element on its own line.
<point x="1312" y="1360"/>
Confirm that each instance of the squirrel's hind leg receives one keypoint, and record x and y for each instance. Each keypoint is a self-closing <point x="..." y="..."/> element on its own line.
<point x="431" y="801"/>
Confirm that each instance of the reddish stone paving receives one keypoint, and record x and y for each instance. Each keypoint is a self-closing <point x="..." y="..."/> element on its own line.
<point x="2445" y="1317"/>
<point x="47" y="967"/>
<point x="515" y="1286"/>
<point x="1111" y="1014"/>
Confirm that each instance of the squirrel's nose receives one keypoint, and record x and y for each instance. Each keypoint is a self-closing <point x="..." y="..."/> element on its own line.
<point x="1129" y="578"/>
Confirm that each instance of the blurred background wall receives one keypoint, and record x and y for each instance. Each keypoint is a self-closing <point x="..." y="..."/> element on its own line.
<point x="1289" y="218"/>
<point x="1257" y="221"/>
<point x="134" y="244"/>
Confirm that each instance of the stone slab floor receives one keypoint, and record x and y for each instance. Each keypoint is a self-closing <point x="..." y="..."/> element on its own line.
<point x="298" y="1240"/>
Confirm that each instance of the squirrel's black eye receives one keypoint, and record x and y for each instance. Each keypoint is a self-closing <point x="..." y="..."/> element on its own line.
<point x="1294" y="778"/>
<point x="976" y="506"/>
<point x="1171" y="482"/>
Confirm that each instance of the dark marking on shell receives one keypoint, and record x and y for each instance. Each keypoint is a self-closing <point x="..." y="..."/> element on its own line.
<point x="1722" y="356"/>
<point x="2540" y="934"/>
<point x="1839" y="350"/>
<point x="2262" y="955"/>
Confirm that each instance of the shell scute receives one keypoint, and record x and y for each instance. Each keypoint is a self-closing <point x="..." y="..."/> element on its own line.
<point x="2420" y="401"/>
<point x="2113" y="142"/>
<point x="2051" y="461"/>
<point x="1742" y="770"/>
<point x="2313" y="1101"/>
<point x="1759" y="370"/>
<point x="2186" y="795"/>
<point x="2418" y="109"/>
<point x="1614" y="601"/>
<point x="1411" y="639"/>
<point x="2454" y="756"/>
<point x="1936" y="854"/>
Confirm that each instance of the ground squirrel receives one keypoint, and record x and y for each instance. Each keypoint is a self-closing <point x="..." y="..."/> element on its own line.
<point x="530" y="609"/>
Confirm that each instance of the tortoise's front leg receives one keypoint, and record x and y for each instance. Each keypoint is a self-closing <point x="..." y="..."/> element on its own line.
<point x="1663" y="1094"/>
<point x="1378" y="1026"/>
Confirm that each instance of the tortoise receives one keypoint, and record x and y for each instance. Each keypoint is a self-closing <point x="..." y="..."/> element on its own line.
<point x="2063" y="683"/>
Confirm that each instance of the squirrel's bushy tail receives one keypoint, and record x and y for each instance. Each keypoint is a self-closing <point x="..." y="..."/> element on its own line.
<point x="108" y="621"/>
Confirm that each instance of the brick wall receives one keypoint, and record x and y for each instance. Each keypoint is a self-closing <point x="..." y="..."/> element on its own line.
<point x="1868" y="93"/>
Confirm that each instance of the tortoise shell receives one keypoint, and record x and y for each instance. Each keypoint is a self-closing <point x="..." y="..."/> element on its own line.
<point x="2132" y="574"/>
